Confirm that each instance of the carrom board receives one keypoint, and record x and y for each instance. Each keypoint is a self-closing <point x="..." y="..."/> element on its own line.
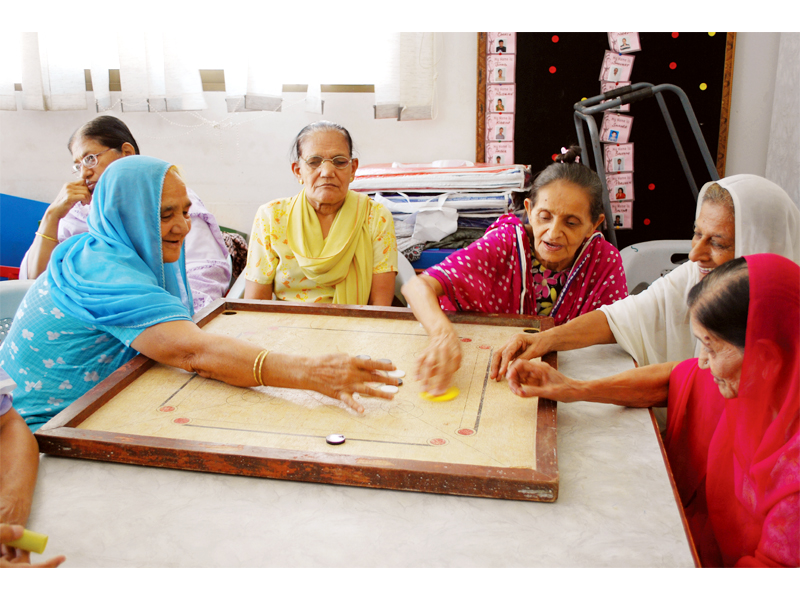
<point x="486" y="442"/>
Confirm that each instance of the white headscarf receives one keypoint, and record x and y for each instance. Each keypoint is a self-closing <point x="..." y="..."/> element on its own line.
<point x="653" y="326"/>
<point x="766" y="218"/>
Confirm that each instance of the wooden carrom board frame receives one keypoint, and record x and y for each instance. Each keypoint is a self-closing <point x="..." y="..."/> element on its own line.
<point x="63" y="437"/>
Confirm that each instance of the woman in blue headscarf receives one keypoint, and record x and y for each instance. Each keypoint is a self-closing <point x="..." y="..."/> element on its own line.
<point x="121" y="289"/>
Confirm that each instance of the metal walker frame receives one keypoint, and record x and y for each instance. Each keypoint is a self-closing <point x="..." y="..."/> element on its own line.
<point x="586" y="109"/>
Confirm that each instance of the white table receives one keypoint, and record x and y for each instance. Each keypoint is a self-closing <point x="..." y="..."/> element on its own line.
<point x="615" y="507"/>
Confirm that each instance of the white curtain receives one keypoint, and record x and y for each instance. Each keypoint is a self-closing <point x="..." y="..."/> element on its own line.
<point x="783" y="152"/>
<point x="160" y="72"/>
<point x="404" y="86"/>
<point x="157" y="73"/>
<point x="52" y="73"/>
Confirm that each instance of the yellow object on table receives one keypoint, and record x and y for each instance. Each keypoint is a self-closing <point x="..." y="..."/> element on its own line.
<point x="30" y="541"/>
<point x="446" y="397"/>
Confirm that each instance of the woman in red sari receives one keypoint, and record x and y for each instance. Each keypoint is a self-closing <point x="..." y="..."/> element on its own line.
<point x="732" y="438"/>
<point x="558" y="265"/>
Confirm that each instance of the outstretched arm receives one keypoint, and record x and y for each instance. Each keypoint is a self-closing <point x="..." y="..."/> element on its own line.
<point x="586" y="330"/>
<point x="442" y="357"/>
<point x="642" y="387"/>
<point x="183" y="344"/>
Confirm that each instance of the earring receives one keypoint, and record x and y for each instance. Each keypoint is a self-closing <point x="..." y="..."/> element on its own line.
<point x="301" y="182"/>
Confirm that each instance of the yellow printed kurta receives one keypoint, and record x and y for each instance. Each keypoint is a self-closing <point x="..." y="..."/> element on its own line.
<point x="270" y="260"/>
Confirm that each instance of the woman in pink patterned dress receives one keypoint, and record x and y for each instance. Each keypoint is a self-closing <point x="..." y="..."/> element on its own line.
<point x="557" y="265"/>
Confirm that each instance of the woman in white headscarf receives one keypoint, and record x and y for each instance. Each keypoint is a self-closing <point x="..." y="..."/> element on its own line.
<point x="736" y="216"/>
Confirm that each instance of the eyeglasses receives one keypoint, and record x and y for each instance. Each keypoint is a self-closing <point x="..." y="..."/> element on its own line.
<point x="340" y="162"/>
<point x="88" y="161"/>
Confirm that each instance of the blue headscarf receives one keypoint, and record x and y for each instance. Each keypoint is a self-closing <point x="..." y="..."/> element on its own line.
<point x="115" y="274"/>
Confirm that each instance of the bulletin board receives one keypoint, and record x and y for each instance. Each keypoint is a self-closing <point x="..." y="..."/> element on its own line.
<point x="556" y="70"/>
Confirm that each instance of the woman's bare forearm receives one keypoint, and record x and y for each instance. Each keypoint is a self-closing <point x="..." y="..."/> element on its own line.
<point x="640" y="388"/>
<point x="19" y="464"/>
<point x="422" y="293"/>
<point x="587" y="330"/>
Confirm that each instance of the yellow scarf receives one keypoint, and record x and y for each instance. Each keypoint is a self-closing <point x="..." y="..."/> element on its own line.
<point x="344" y="259"/>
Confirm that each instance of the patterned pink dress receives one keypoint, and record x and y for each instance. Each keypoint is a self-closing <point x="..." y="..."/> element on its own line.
<point x="496" y="274"/>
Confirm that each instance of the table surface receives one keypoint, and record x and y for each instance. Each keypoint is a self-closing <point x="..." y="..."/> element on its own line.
<point x="616" y="507"/>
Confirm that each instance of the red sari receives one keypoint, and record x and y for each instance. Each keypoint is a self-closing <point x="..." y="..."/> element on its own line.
<point x="737" y="461"/>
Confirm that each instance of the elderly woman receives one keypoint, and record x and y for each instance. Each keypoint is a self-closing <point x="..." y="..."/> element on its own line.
<point x="558" y="265"/>
<point x="732" y="439"/>
<point x="326" y="244"/>
<point x="736" y="216"/>
<point x="94" y="146"/>
<point x="121" y="289"/>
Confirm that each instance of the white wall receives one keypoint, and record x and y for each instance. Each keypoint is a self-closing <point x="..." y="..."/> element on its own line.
<point x="754" y="68"/>
<point x="236" y="162"/>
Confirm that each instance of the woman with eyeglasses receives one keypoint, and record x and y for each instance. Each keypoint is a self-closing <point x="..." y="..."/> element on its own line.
<point x="327" y="243"/>
<point x="94" y="146"/>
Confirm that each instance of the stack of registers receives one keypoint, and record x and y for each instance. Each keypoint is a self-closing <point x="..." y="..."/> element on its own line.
<point x="441" y="207"/>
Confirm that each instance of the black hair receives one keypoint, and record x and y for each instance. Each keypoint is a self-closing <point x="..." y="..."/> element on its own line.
<point x="314" y="128"/>
<point x="568" y="168"/>
<point x="720" y="301"/>
<point x="107" y="130"/>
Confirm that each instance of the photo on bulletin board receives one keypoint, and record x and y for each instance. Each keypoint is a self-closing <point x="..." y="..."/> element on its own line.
<point x="607" y="86"/>
<point x="620" y="186"/>
<point x="500" y="68"/>
<point x="501" y="43"/>
<point x="500" y="98"/>
<point x="619" y="157"/>
<point x="624" y="42"/>
<point x="616" y="67"/>
<point x="622" y="215"/>
<point x="499" y="128"/>
<point x="500" y="153"/>
<point x="616" y="128"/>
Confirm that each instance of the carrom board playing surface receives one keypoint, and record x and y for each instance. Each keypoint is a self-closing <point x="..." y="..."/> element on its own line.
<point x="486" y="442"/>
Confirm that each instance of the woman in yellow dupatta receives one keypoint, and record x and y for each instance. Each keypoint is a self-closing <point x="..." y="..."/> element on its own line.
<point x="326" y="244"/>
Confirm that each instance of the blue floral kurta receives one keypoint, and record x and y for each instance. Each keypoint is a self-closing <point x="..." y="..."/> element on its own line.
<point x="50" y="374"/>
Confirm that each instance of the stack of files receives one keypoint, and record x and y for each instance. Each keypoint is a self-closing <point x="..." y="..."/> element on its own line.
<point x="431" y="178"/>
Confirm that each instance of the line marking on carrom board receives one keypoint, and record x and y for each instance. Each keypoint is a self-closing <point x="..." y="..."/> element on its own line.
<point x="303" y="435"/>
<point x="179" y="389"/>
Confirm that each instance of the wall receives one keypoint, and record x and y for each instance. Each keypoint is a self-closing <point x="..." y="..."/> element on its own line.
<point x="752" y="96"/>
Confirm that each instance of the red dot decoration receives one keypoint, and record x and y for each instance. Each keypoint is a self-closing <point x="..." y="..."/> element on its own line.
<point x="647" y="221"/>
<point x="675" y="34"/>
<point x="466" y="339"/>
<point x="437" y="442"/>
<point x="552" y="69"/>
<point x="652" y="186"/>
<point x="555" y="39"/>
<point x="167" y="408"/>
<point x="466" y="431"/>
<point x="485" y="347"/>
<point x="673" y="65"/>
<point x="180" y="420"/>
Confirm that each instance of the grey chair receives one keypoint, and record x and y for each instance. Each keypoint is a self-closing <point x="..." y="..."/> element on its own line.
<point x="11" y="294"/>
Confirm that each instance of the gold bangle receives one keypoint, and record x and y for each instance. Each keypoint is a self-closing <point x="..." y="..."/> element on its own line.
<point x="258" y="364"/>
<point x="47" y="237"/>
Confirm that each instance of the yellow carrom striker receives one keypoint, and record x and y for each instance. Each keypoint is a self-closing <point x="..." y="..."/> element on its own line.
<point x="446" y="397"/>
<point x="30" y="541"/>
